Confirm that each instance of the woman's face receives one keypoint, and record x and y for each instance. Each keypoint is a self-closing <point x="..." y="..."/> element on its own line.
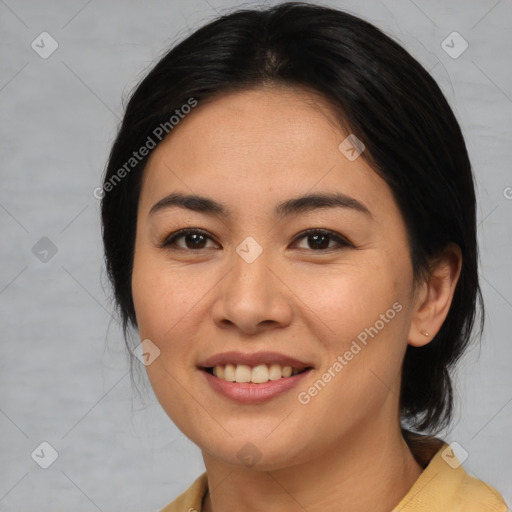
<point x="336" y="300"/>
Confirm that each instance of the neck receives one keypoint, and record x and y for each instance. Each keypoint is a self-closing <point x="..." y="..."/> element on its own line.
<point x="369" y="469"/>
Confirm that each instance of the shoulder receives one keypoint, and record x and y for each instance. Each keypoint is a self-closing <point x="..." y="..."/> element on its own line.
<point x="190" y="500"/>
<point x="478" y="496"/>
<point x="444" y="485"/>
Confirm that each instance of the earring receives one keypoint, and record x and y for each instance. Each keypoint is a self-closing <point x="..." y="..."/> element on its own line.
<point x="425" y="333"/>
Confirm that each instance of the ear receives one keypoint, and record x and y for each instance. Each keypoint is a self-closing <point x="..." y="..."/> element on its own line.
<point x="434" y="296"/>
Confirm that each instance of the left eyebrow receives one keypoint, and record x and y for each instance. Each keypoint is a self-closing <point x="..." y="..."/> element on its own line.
<point x="311" y="202"/>
<point x="294" y="206"/>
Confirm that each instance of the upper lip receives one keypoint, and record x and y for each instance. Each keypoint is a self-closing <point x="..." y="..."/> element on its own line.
<point x="254" y="359"/>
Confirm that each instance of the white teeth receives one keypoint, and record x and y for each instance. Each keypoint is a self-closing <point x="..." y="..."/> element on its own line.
<point x="275" y="372"/>
<point x="229" y="372"/>
<point x="259" y="374"/>
<point x="242" y="373"/>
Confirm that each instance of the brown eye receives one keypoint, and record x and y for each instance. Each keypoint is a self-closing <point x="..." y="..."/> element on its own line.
<point x="194" y="239"/>
<point x="319" y="239"/>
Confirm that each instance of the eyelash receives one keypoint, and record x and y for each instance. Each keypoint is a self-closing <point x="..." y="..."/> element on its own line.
<point x="170" y="240"/>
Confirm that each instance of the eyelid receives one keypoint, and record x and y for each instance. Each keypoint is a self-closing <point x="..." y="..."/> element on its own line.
<point x="339" y="239"/>
<point x="166" y="243"/>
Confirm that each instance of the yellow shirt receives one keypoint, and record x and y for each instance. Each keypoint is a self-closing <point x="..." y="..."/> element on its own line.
<point x="443" y="486"/>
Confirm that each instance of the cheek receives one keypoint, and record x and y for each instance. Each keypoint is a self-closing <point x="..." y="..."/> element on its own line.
<point x="348" y="298"/>
<point x="361" y="318"/>
<point x="158" y="295"/>
<point x="163" y="301"/>
<point x="168" y="300"/>
<point x="146" y="291"/>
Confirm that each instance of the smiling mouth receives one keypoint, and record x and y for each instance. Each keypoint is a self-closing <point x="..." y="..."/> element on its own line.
<point x="258" y="374"/>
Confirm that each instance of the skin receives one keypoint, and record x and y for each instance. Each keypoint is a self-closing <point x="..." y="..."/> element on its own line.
<point x="249" y="151"/>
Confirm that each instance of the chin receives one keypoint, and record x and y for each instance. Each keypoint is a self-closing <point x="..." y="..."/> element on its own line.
<point x="258" y="454"/>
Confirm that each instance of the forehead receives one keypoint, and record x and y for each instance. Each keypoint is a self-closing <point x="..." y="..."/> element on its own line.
<point x="266" y="145"/>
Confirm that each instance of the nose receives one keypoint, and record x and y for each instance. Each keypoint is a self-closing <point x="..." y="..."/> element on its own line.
<point x="253" y="297"/>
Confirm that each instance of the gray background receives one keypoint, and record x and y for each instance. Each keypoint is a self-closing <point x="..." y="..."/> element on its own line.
<point x="63" y="369"/>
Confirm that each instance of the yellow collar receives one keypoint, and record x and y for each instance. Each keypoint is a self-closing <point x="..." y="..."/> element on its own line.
<point x="443" y="486"/>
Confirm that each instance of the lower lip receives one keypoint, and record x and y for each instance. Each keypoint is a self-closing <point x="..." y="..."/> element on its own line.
<point x="250" y="393"/>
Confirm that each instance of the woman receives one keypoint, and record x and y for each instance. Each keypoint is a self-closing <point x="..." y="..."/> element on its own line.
<point x="289" y="223"/>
